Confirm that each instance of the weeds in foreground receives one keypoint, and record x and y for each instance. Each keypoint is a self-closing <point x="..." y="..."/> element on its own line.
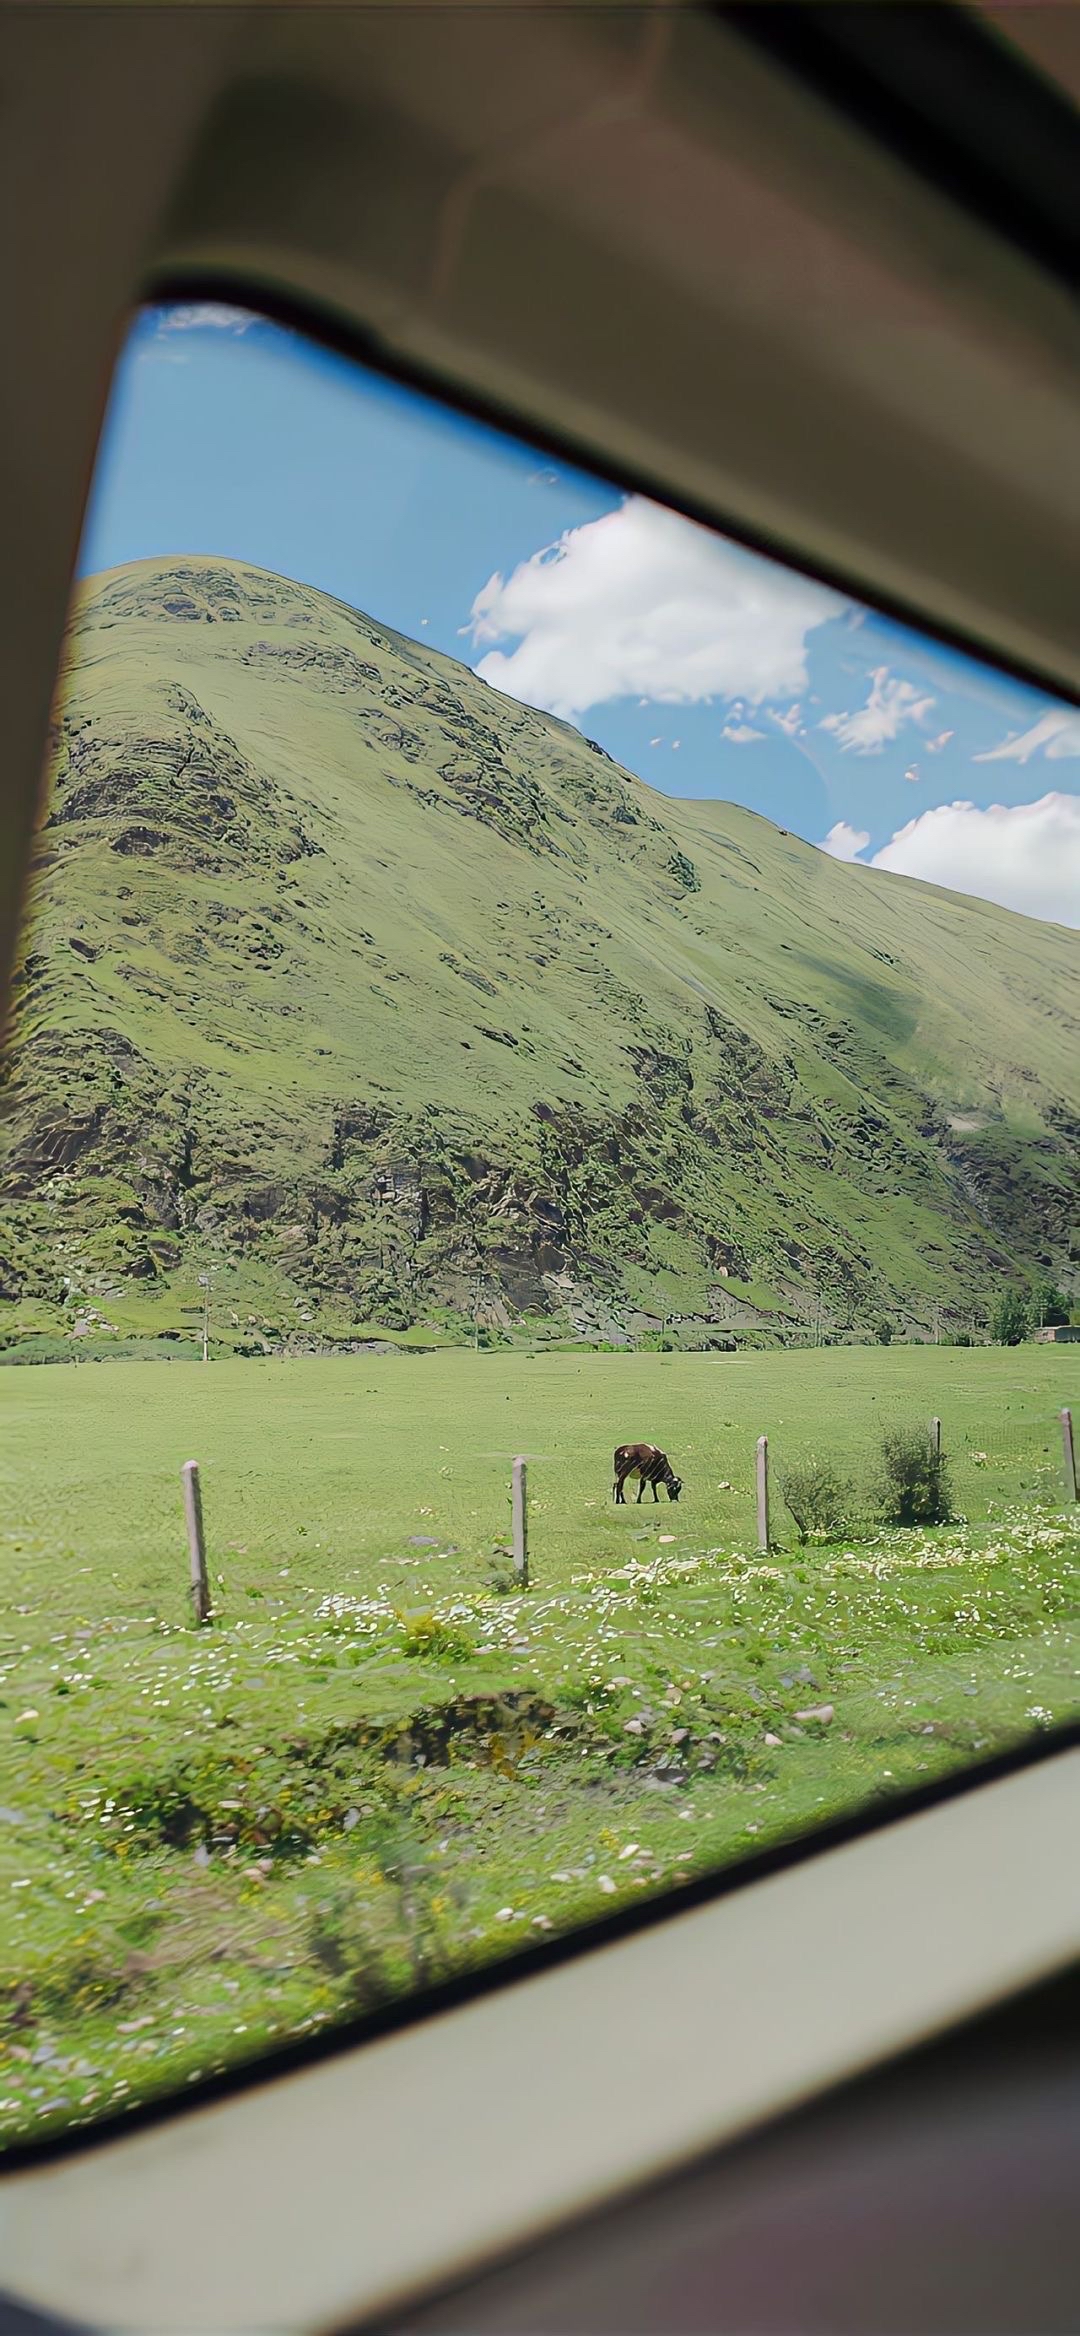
<point x="434" y="1637"/>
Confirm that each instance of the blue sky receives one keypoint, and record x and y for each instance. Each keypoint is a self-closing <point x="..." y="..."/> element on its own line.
<point x="709" y="671"/>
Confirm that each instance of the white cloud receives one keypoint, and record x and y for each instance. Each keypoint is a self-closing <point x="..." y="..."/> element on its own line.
<point x="790" y="722"/>
<point x="740" y="733"/>
<point x="645" y="602"/>
<point x="935" y="745"/>
<point x="196" y="316"/>
<point x="913" y="774"/>
<point x="844" y="842"/>
<point x="890" y="704"/>
<point x="1024" y="855"/>
<point x="1056" y="735"/>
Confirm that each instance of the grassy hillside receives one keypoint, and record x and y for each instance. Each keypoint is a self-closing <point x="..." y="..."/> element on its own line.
<point x="315" y="907"/>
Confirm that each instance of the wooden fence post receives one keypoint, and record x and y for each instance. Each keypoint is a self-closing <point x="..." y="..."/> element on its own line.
<point x="521" y="1524"/>
<point x="935" y="1438"/>
<point x="1071" y="1493"/>
<point x="763" y="1492"/>
<point x="200" y="1587"/>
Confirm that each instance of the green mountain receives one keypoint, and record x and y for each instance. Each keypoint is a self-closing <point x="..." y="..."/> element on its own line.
<point x="383" y="999"/>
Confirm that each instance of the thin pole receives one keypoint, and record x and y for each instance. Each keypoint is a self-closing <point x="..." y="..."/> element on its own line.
<point x="521" y="1523"/>
<point x="935" y="1438"/>
<point x="763" y="1492"/>
<point x="1071" y="1493"/>
<point x="200" y="1587"/>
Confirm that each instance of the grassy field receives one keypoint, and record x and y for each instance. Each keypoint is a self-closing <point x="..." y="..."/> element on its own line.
<point x="379" y="1765"/>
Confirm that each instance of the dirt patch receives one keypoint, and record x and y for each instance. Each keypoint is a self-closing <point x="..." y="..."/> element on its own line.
<point x="497" y="1730"/>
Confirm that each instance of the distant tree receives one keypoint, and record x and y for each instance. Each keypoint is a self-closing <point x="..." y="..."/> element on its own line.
<point x="1048" y="1307"/>
<point x="1009" y="1319"/>
<point x="883" y="1332"/>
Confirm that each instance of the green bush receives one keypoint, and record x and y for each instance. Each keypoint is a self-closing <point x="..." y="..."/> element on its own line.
<point x="821" y="1501"/>
<point x="502" y="1576"/>
<point x="914" y="1487"/>
<point x="428" y="1634"/>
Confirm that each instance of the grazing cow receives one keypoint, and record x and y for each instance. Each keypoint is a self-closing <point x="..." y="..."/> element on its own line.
<point x="650" y="1466"/>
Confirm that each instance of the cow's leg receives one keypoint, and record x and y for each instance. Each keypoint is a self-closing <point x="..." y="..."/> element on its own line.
<point x="640" y="1490"/>
<point x="655" y="1491"/>
<point x="618" y="1491"/>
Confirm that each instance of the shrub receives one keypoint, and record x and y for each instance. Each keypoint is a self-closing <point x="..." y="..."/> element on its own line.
<point x="914" y="1488"/>
<point x="430" y="1635"/>
<point x="820" y="1500"/>
<point x="883" y="1333"/>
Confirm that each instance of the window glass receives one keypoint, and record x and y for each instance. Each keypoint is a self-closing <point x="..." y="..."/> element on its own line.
<point x="511" y="976"/>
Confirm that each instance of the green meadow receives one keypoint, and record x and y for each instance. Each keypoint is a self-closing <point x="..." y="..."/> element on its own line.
<point x="382" y="1762"/>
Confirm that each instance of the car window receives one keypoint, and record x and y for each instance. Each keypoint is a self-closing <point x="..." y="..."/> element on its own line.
<point x="540" y="1284"/>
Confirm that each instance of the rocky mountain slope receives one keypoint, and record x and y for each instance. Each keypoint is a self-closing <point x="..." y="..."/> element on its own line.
<point x="385" y="1000"/>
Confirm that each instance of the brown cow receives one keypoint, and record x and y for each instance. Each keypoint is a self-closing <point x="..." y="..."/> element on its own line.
<point x="650" y="1466"/>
